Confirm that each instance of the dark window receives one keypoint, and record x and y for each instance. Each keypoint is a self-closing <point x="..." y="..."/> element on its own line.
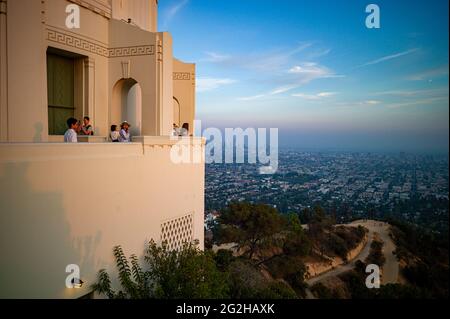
<point x="60" y="87"/>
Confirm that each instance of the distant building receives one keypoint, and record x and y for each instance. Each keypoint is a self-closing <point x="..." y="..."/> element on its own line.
<point x="64" y="204"/>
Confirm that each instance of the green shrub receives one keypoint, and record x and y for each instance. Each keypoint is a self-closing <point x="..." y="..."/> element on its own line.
<point x="188" y="273"/>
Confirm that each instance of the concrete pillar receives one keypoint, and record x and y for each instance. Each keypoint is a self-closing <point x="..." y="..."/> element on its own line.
<point x="89" y="83"/>
<point x="3" y="75"/>
<point x="165" y="84"/>
<point x="27" y="72"/>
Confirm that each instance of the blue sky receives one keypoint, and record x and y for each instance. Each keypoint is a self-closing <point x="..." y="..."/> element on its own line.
<point x="313" y="69"/>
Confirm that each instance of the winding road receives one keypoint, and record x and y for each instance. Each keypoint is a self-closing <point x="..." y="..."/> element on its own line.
<point x="389" y="270"/>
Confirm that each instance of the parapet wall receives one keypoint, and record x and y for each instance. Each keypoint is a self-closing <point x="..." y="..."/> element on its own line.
<point x="67" y="204"/>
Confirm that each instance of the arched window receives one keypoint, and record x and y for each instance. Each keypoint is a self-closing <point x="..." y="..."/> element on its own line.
<point x="176" y="112"/>
<point x="127" y="105"/>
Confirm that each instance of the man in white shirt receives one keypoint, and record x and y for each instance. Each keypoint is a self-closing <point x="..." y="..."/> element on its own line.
<point x="71" y="134"/>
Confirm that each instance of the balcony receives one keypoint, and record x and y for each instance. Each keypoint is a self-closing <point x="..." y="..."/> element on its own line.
<point x="93" y="147"/>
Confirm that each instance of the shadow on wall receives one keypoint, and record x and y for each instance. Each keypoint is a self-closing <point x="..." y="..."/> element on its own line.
<point x="87" y="248"/>
<point x="38" y="130"/>
<point x="35" y="242"/>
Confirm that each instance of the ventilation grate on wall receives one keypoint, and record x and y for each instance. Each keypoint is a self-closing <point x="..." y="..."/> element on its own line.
<point x="177" y="231"/>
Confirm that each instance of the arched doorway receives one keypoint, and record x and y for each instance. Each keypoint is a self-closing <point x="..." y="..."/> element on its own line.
<point x="127" y="104"/>
<point x="176" y="112"/>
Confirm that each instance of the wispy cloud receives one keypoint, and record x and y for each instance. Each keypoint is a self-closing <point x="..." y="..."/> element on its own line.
<point x="318" y="54"/>
<point x="326" y="94"/>
<point x="414" y="92"/>
<point x="273" y="61"/>
<point x="430" y="75"/>
<point x="281" y="90"/>
<point x="310" y="71"/>
<point x="214" y="57"/>
<point x="370" y="102"/>
<point x="284" y="69"/>
<point x="408" y="101"/>
<point x="172" y="11"/>
<point x="251" y="98"/>
<point x="304" y="73"/>
<point x="412" y="97"/>
<point x="317" y="96"/>
<point x="295" y="77"/>
<point x="421" y="102"/>
<point x="208" y="84"/>
<point x="389" y="57"/>
<point x="356" y="104"/>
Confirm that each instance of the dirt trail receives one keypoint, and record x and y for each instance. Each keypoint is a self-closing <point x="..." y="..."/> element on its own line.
<point x="390" y="269"/>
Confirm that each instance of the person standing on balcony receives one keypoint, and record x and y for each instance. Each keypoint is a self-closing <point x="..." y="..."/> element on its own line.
<point x="86" y="128"/>
<point x="185" y="130"/>
<point x="115" y="134"/>
<point x="71" y="134"/>
<point x="175" y="130"/>
<point x="124" y="134"/>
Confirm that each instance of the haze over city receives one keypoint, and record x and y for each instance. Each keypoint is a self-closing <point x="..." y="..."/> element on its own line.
<point x="313" y="70"/>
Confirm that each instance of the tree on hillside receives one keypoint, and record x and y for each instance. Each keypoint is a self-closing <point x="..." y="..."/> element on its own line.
<point x="305" y="216"/>
<point x="318" y="226"/>
<point x="253" y="227"/>
<point x="293" y="240"/>
<point x="271" y="241"/>
<point x="247" y="282"/>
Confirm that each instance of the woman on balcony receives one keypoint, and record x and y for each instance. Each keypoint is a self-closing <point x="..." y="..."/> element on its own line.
<point x="124" y="135"/>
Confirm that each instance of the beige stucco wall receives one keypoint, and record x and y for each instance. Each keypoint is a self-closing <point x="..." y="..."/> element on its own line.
<point x="66" y="204"/>
<point x="3" y="75"/>
<point x="184" y="91"/>
<point x="27" y="92"/>
<point x="151" y="67"/>
<point x="32" y="28"/>
<point x="141" y="68"/>
<point x="71" y="203"/>
<point x="143" y="13"/>
<point x="109" y="50"/>
<point x="86" y="41"/>
<point x="166" y="81"/>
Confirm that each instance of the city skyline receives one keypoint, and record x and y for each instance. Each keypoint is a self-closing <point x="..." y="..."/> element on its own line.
<point x="313" y="70"/>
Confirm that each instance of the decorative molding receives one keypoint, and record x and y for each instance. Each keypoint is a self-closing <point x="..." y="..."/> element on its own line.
<point x="76" y="42"/>
<point x="153" y="141"/>
<point x="89" y="46"/>
<point x="102" y="8"/>
<point x="181" y="76"/>
<point x="43" y="11"/>
<point x="178" y="231"/>
<point x="126" y="69"/>
<point x="89" y="63"/>
<point x="132" y="51"/>
<point x="89" y="89"/>
<point x="159" y="49"/>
